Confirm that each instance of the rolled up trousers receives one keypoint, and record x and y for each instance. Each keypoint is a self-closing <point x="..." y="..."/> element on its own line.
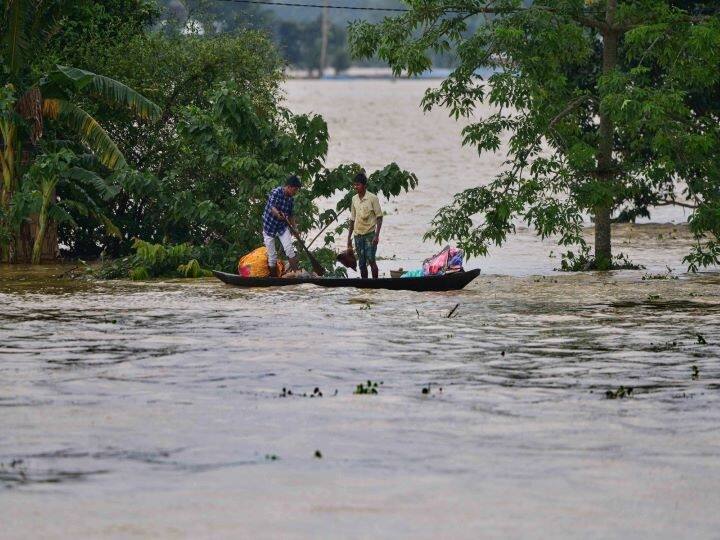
<point x="286" y="241"/>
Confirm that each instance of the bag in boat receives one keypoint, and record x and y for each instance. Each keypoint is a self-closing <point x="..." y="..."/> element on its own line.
<point x="447" y="261"/>
<point x="347" y="259"/>
<point x="255" y="264"/>
<point x="418" y="272"/>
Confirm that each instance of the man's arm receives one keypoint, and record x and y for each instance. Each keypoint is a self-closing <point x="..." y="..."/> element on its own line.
<point x="277" y="213"/>
<point x="351" y="222"/>
<point x="273" y="201"/>
<point x="378" y="226"/>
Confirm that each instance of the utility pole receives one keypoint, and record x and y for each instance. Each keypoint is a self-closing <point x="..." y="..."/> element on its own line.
<point x="324" y="28"/>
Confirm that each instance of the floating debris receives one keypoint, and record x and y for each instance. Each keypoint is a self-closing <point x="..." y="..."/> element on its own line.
<point x="621" y="393"/>
<point x="426" y="390"/>
<point x="667" y="275"/>
<point x="318" y="454"/>
<point x="286" y="392"/>
<point x="368" y="387"/>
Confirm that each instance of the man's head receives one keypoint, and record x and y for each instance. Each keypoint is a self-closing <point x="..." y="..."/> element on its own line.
<point x="292" y="186"/>
<point x="360" y="183"/>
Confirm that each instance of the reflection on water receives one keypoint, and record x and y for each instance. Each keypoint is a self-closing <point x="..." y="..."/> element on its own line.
<point x="157" y="409"/>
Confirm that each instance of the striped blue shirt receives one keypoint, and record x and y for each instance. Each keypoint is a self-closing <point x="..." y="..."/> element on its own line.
<point x="273" y="226"/>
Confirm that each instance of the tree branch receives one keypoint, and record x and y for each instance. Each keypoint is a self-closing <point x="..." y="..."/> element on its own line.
<point x="325" y="227"/>
<point x="570" y="107"/>
<point x="488" y="10"/>
<point x="675" y="203"/>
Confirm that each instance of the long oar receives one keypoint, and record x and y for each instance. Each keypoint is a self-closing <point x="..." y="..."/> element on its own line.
<point x="317" y="267"/>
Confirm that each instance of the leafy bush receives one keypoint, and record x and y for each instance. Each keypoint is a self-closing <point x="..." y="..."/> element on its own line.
<point x="202" y="175"/>
<point x="191" y="185"/>
<point x="583" y="262"/>
<point x="156" y="260"/>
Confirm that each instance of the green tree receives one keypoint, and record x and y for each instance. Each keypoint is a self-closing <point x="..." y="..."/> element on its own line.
<point x="182" y="74"/>
<point x="63" y="168"/>
<point x="200" y="176"/>
<point x="51" y="99"/>
<point x="600" y="99"/>
<point x="226" y="159"/>
<point x="28" y="102"/>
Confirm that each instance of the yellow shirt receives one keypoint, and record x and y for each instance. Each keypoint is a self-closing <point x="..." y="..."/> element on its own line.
<point x="365" y="212"/>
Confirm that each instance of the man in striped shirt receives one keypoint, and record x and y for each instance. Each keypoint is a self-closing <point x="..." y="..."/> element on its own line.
<point x="276" y="217"/>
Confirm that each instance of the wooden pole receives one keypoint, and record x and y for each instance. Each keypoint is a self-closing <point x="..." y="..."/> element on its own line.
<point x="324" y="28"/>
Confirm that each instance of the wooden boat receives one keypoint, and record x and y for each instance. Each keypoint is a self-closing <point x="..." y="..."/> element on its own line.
<point x="448" y="282"/>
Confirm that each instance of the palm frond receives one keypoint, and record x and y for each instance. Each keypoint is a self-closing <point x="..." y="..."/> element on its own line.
<point x="48" y="20"/>
<point x="89" y="208"/>
<point x="87" y="128"/>
<point x="109" y="89"/>
<point x="110" y="227"/>
<point x="89" y="178"/>
<point x="59" y="215"/>
<point x="16" y="42"/>
<point x="77" y="206"/>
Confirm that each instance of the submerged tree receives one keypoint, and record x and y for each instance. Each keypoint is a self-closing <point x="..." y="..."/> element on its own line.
<point x="29" y="100"/>
<point x="603" y="101"/>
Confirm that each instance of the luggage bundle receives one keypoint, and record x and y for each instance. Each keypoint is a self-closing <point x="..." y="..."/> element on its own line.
<point x="447" y="261"/>
<point x="255" y="264"/>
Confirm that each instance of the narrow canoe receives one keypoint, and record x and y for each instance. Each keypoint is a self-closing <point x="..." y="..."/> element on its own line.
<point x="449" y="282"/>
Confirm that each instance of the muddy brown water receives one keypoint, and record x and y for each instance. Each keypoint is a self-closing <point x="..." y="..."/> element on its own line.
<point x="156" y="410"/>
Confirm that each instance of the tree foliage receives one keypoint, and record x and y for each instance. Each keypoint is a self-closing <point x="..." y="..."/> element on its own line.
<point x="603" y="103"/>
<point x="159" y="138"/>
<point x="36" y="108"/>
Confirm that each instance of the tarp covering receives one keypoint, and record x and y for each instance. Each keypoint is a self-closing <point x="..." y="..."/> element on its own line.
<point x="448" y="260"/>
<point x="255" y="264"/>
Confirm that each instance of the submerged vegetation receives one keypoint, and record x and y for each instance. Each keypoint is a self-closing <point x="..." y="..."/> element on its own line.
<point x="127" y="127"/>
<point x="610" y="106"/>
<point x="175" y="180"/>
<point x="622" y="392"/>
<point x="368" y="387"/>
<point x="668" y="275"/>
<point x="584" y="261"/>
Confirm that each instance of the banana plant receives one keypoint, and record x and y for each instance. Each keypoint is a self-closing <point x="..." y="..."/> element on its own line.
<point x="26" y="104"/>
<point x="52" y="99"/>
<point x="50" y="171"/>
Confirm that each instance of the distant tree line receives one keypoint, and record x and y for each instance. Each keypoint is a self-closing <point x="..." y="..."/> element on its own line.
<point x="297" y="32"/>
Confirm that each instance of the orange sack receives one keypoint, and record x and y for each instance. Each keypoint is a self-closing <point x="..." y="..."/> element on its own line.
<point x="255" y="264"/>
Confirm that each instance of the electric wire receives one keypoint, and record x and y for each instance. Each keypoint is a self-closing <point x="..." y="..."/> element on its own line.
<point x="296" y="4"/>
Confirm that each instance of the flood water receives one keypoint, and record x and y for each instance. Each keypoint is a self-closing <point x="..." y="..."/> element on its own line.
<point x="163" y="409"/>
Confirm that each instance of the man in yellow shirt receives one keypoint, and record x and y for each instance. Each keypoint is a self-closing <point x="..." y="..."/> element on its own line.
<point x="365" y="224"/>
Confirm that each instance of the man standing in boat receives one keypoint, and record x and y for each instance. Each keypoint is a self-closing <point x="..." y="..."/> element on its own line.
<point x="277" y="219"/>
<point x="365" y="223"/>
